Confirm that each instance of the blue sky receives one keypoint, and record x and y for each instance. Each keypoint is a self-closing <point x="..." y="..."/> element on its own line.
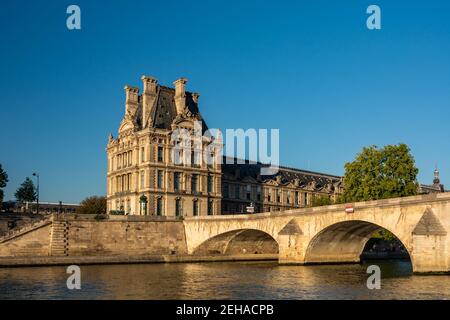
<point x="310" y="68"/>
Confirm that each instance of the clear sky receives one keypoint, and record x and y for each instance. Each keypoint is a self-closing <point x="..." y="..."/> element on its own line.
<point x="310" y="68"/>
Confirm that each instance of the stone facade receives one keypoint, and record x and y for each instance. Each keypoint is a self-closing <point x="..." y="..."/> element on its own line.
<point x="143" y="176"/>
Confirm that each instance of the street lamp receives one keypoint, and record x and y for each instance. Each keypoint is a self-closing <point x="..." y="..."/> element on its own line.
<point x="37" y="176"/>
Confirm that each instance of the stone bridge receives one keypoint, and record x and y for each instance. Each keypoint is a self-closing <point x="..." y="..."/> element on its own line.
<point x="331" y="234"/>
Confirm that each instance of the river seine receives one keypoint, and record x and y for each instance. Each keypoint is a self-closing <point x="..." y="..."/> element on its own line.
<point x="220" y="280"/>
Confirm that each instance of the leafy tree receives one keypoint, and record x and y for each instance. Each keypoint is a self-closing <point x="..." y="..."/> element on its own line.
<point x="93" y="205"/>
<point x="3" y="181"/>
<point x="318" y="201"/>
<point x="26" y="192"/>
<point x="384" y="234"/>
<point x="380" y="173"/>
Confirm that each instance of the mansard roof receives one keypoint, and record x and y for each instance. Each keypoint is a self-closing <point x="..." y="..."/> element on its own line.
<point x="164" y="110"/>
<point x="284" y="176"/>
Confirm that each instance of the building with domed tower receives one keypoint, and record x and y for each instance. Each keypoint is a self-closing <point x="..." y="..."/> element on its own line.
<point x="436" y="187"/>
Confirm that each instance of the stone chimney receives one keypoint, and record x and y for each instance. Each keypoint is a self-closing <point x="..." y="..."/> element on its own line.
<point x="180" y="94"/>
<point x="148" y="98"/>
<point x="195" y="97"/>
<point x="131" y="100"/>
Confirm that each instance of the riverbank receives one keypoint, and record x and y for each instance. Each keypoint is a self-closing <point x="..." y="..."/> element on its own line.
<point x="98" y="260"/>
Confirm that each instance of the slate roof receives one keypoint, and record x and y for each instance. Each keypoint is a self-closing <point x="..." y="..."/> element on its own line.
<point x="164" y="110"/>
<point x="286" y="174"/>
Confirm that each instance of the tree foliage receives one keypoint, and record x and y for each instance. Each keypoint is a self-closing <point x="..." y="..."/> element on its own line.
<point x="93" y="205"/>
<point x="26" y="192"/>
<point x="3" y="181"/>
<point x="319" y="201"/>
<point x="380" y="173"/>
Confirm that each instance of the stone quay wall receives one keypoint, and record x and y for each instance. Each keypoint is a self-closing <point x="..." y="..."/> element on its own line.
<point x="86" y="235"/>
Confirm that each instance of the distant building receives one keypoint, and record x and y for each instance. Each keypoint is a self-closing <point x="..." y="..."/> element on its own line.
<point x="436" y="187"/>
<point x="243" y="186"/>
<point x="44" y="207"/>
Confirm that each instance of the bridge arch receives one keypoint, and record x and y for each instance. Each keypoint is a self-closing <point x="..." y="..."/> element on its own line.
<point x="343" y="242"/>
<point x="240" y="241"/>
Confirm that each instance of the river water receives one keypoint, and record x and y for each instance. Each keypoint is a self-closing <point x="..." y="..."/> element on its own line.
<point x="223" y="280"/>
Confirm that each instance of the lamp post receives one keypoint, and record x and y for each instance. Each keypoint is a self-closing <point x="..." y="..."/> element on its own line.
<point x="37" y="193"/>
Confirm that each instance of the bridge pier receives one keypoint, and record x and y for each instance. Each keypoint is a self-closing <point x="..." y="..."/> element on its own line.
<point x="429" y="249"/>
<point x="292" y="249"/>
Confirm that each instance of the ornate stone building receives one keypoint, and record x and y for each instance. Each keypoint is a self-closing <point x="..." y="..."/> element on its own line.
<point x="243" y="186"/>
<point x="142" y="178"/>
<point x="145" y="177"/>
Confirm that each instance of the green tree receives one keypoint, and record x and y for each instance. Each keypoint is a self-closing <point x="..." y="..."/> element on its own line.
<point x="3" y="182"/>
<point x="380" y="173"/>
<point x="26" y="192"/>
<point x="318" y="201"/>
<point x="93" y="205"/>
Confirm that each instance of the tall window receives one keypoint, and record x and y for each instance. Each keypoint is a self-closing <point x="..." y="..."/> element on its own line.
<point x="305" y="199"/>
<point x="177" y="181"/>
<point x="211" y="160"/>
<point x="248" y="192"/>
<point x="194" y="183"/>
<point x="269" y="195"/>
<point x="142" y="154"/>
<point x="226" y="191"/>
<point x="142" y="179"/>
<point x="178" y="155"/>
<point x="278" y="196"/>
<point x="258" y="193"/>
<point x="130" y="158"/>
<point x="296" y="198"/>
<point x="237" y="191"/>
<point x="195" y="207"/>
<point x="195" y="158"/>
<point x="159" y="207"/>
<point x="178" y="208"/>
<point x="210" y="183"/>
<point x="210" y="207"/>
<point x="288" y="197"/>
<point x="129" y="182"/>
<point x="160" y="154"/>
<point x="160" y="180"/>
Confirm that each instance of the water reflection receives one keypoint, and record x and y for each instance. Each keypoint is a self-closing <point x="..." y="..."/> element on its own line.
<point x="239" y="280"/>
